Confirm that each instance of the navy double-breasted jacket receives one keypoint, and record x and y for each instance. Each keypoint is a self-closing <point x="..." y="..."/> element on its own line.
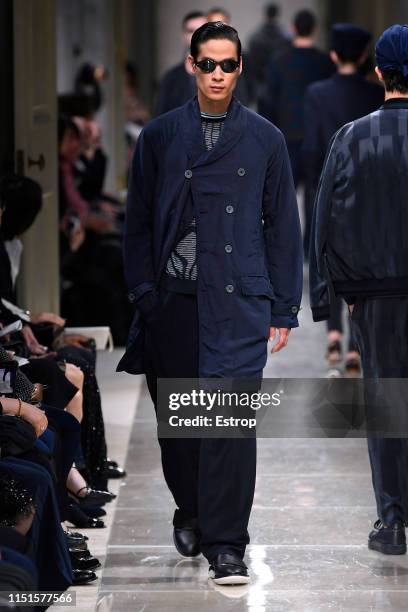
<point x="249" y="252"/>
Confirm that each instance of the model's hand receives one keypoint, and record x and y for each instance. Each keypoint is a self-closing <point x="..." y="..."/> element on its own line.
<point x="282" y="340"/>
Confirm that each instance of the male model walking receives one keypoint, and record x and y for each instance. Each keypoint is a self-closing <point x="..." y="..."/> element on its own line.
<point x="288" y="75"/>
<point x="214" y="266"/>
<point x="330" y="104"/>
<point x="359" y="251"/>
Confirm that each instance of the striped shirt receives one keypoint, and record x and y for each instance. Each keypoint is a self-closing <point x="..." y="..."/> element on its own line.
<point x="182" y="262"/>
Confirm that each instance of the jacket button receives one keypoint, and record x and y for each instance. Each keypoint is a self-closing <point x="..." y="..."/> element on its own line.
<point x="229" y="288"/>
<point x="188" y="174"/>
<point x="229" y="208"/>
<point x="294" y="309"/>
<point x="228" y="248"/>
<point x="131" y="297"/>
<point x="241" y="171"/>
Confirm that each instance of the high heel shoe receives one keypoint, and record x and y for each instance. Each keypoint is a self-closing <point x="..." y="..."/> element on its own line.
<point x="92" y="498"/>
<point x="79" y="519"/>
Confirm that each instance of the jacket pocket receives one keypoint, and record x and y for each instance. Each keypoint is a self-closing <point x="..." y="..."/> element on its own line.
<point x="257" y="285"/>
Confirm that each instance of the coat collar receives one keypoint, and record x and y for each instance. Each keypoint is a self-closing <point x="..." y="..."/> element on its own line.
<point x="232" y="131"/>
<point x="395" y="103"/>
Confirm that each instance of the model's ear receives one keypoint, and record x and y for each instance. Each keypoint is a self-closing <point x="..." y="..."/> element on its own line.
<point x="241" y="65"/>
<point x="190" y="61"/>
<point x="334" y="57"/>
<point x="379" y="74"/>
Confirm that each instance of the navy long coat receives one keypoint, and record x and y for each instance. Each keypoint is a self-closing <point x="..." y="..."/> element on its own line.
<point x="249" y="251"/>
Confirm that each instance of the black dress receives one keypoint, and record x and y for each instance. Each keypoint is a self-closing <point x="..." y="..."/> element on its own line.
<point x="92" y="427"/>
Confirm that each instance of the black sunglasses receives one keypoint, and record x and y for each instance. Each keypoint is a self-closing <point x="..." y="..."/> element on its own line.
<point x="209" y="65"/>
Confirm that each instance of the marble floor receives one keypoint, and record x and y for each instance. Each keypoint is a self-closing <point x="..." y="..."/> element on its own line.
<point x="312" y="511"/>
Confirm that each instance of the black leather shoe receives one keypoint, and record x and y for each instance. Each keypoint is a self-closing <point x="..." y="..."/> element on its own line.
<point x="76" y="542"/>
<point x="186" y="535"/>
<point x="78" y="518"/>
<point x="92" y="511"/>
<point x="227" y="568"/>
<point x="84" y="563"/>
<point x="83" y="576"/>
<point x="112" y="472"/>
<point x="79" y="553"/>
<point x="77" y="535"/>
<point x="110" y="461"/>
<point x="388" y="539"/>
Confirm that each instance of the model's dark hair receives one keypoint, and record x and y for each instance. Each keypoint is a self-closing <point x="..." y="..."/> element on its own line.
<point x="219" y="9"/>
<point x="395" y="81"/>
<point x="304" y="23"/>
<point x="213" y="30"/>
<point x="192" y="15"/>
<point x="350" y="57"/>
<point x="272" y="11"/>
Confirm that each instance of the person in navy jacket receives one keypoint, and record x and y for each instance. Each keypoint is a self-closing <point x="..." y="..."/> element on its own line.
<point x="213" y="260"/>
<point x="330" y="104"/>
<point x="359" y="254"/>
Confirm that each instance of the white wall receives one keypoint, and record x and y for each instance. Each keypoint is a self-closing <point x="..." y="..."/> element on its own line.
<point x="246" y="16"/>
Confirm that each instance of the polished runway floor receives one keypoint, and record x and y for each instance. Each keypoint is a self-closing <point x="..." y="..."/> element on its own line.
<point x="312" y="512"/>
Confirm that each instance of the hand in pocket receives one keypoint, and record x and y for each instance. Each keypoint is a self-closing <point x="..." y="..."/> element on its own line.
<point x="147" y="304"/>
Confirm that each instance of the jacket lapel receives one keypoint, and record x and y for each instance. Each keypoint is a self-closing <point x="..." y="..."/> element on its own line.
<point x="232" y="131"/>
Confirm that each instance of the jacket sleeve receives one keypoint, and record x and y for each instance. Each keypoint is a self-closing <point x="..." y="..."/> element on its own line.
<point x="138" y="234"/>
<point x="321" y="293"/>
<point x="282" y="238"/>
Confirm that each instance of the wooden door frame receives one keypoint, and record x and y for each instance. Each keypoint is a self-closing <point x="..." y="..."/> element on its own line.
<point x="7" y="78"/>
<point x="38" y="284"/>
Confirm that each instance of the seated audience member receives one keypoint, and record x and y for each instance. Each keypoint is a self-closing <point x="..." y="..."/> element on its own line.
<point x="34" y="459"/>
<point x="94" y="291"/>
<point x="68" y="385"/>
<point x="90" y="170"/>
